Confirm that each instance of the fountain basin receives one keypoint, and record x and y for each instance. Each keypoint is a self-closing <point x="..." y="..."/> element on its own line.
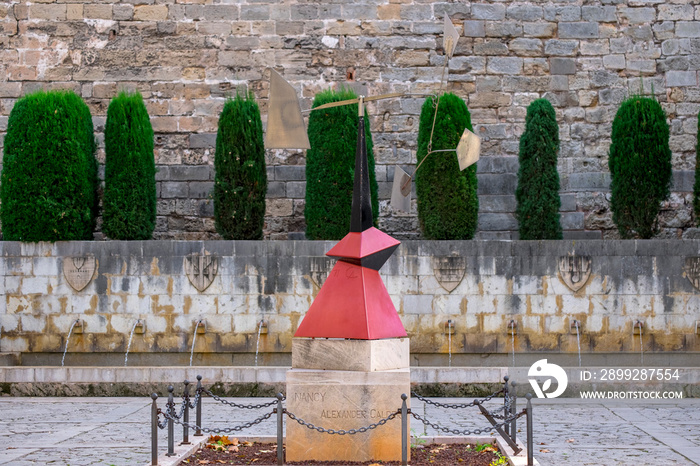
<point x="269" y="380"/>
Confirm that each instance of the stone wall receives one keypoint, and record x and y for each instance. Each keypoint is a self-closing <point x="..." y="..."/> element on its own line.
<point x="186" y="56"/>
<point x="492" y="283"/>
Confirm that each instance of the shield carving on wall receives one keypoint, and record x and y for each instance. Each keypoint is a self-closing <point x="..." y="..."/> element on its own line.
<point x="692" y="271"/>
<point x="201" y="270"/>
<point x="449" y="271"/>
<point x="575" y="270"/>
<point x="79" y="270"/>
<point x="319" y="268"/>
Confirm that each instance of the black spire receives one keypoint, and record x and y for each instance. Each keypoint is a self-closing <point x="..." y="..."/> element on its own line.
<point x="361" y="218"/>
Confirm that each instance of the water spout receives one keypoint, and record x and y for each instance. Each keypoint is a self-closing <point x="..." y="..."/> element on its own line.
<point x="577" y="325"/>
<point x="261" y="324"/>
<point x="512" y="329"/>
<point x="197" y="325"/>
<point x="131" y="335"/>
<point x="638" y="329"/>
<point x="65" y="350"/>
<point x="449" y="328"/>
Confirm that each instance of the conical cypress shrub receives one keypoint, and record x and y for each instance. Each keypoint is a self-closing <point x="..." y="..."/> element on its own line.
<point x="240" y="182"/>
<point x="129" y="202"/>
<point x="537" y="194"/>
<point x="49" y="174"/>
<point x="330" y="166"/>
<point x="640" y="166"/>
<point x="448" y="205"/>
<point x="696" y="187"/>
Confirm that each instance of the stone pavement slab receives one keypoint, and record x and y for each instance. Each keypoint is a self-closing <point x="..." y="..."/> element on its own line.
<point x="116" y="431"/>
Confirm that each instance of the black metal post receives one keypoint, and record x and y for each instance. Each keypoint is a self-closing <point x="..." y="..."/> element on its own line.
<point x="198" y="431"/>
<point x="186" y="415"/>
<point x="154" y="430"/>
<point x="530" y="460"/>
<point x="404" y="430"/>
<point x="506" y="428"/>
<point x="280" y="435"/>
<point x="171" y="423"/>
<point x="513" y="403"/>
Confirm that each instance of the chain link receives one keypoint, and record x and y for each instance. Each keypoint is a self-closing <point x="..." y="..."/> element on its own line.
<point x="468" y="432"/>
<point x="457" y="406"/>
<point x="226" y="430"/>
<point x="381" y="422"/>
<point x="196" y="398"/>
<point x="236" y="405"/>
<point x="165" y="421"/>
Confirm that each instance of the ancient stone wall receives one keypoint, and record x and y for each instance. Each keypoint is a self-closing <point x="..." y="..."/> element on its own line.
<point x="186" y="56"/>
<point x="480" y="286"/>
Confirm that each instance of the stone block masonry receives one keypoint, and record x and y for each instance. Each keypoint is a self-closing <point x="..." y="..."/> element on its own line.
<point x="187" y="57"/>
<point x="276" y="281"/>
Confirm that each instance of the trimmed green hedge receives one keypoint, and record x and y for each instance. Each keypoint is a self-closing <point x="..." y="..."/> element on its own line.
<point x="49" y="175"/>
<point x="537" y="193"/>
<point x="448" y="205"/>
<point x="696" y="187"/>
<point x="330" y="165"/>
<point x="240" y="183"/>
<point x="129" y="202"/>
<point x="640" y="166"/>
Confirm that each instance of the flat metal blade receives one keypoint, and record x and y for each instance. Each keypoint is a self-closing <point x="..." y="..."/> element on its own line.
<point x="449" y="38"/>
<point x="468" y="149"/>
<point x="354" y="101"/>
<point x="285" y="123"/>
<point x="401" y="190"/>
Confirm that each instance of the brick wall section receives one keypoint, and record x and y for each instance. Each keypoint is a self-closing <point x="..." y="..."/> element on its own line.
<point x="277" y="281"/>
<point x="186" y="56"/>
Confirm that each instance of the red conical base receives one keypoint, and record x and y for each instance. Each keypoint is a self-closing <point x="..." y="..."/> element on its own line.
<point x="353" y="303"/>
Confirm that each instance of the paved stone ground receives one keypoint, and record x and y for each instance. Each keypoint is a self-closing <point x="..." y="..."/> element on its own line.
<point x="116" y="431"/>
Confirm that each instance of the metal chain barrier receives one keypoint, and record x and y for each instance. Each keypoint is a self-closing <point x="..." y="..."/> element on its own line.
<point x="361" y="430"/>
<point x="226" y="430"/>
<point x="468" y="432"/>
<point x="236" y="405"/>
<point x="457" y="406"/>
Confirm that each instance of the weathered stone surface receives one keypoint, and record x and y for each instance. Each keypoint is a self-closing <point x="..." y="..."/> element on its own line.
<point x="350" y="355"/>
<point x="344" y="400"/>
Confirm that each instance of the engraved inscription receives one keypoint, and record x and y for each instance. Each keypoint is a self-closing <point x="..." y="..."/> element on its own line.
<point x="449" y="271"/>
<point x="310" y="397"/>
<point x="79" y="270"/>
<point x="575" y="270"/>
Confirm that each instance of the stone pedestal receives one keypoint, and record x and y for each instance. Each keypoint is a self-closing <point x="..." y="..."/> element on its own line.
<point x="361" y="384"/>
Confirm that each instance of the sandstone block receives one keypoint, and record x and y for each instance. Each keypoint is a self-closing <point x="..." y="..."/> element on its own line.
<point x="493" y="12"/>
<point x="350" y="355"/>
<point x="345" y="400"/>
<point x="578" y="30"/>
<point x="150" y="13"/>
<point x="681" y="78"/>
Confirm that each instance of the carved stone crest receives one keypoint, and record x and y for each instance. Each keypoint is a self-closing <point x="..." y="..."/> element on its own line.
<point x="575" y="270"/>
<point x="79" y="270"/>
<point x="692" y="271"/>
<point x="319" y="267"/>
<point x="201" y="270"/>
<point x="449" y="271"/>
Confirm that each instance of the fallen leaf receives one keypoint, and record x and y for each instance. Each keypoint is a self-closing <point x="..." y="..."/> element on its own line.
<point x="542" y="443"/>
<point x="203" y="462"/>
<point x="570" y="440"/>
<point x="246" y="443"/>
<point x="544" y="450"/>
<point x="233" y="449"/>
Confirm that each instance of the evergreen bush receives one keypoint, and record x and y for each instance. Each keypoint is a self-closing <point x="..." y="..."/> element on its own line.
<point x="696" y="187"/>
<point x="330" y="167"/>
<point x="448" y="205"/>
<point x="240" y="182"/>
<point x="640" y="166"/>
<point x="49" y="175"/>
<point x="537" y="194"/>
<point x="129" y="201"/>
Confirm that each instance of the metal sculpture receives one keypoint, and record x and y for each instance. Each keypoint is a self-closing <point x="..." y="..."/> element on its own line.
<point x="353" y="301"/>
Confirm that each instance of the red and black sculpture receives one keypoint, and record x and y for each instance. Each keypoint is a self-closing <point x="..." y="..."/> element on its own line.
<point x="353" y="302"/>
